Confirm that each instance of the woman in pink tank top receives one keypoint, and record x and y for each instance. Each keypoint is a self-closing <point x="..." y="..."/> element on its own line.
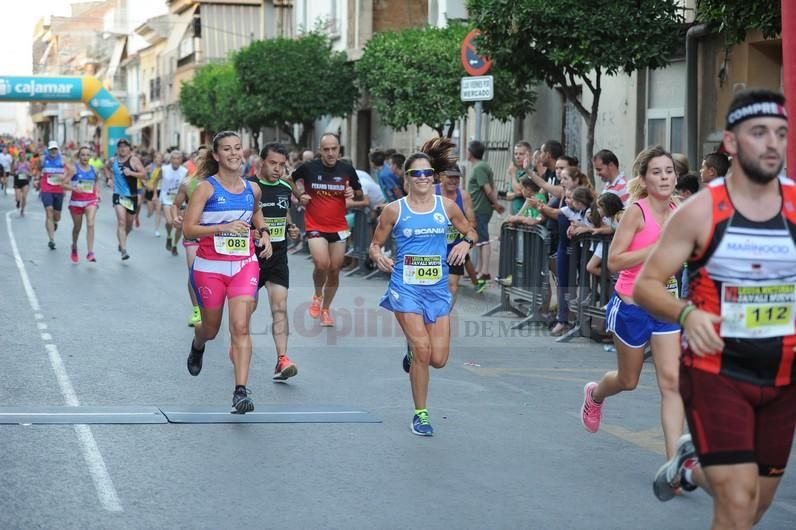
<point x="633" y="328"/>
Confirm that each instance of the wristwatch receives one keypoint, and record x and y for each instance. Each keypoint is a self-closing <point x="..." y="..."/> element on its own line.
<point x="468" y="240"/>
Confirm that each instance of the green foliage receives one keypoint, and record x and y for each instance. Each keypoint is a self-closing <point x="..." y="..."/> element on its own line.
<point x="559" y="39"/>
<point x="296" y="81"/>
<point x="735" y="18"/>
<point x="413" y="77"/>
<point x="213" y="100"/>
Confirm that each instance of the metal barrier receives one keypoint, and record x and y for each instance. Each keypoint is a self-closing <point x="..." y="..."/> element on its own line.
<point x="523" y="258"/>
<point x="587" y="295"/>
<point x="360" y="241"/>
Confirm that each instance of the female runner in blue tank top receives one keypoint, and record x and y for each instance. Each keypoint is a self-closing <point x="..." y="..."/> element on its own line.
<point x="418" y="290"/>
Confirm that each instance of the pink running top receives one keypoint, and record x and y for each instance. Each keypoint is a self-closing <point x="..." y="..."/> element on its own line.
<point x="648" y="235"/>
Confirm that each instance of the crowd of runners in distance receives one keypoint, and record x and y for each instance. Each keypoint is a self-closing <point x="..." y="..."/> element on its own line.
<point x="722" y="334"/>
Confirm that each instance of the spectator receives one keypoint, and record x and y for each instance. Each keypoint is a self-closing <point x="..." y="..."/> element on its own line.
<point x="687" y="185"/>
<point x="606" y="166"/>
<point x="515" y="173"/>
<point x="715" y="165"/>
<point x="609" y="212"/>
<point x="527" y="214"/>
<point x="481" y="186"/>
<point x="681" y="164"/>
<point x="371" y="189"/>
<point x="397" y="166"/>
<point x="385" y="177"/>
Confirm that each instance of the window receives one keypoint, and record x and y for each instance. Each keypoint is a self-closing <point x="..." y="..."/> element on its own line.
<point x="666" y="107"/>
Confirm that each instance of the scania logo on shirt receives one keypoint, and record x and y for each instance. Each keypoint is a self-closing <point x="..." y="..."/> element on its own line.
<point x="429" y="231"/>
<point x="439" y="218"/>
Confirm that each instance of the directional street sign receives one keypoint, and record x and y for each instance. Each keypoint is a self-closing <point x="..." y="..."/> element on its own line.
<point x="478" y="88"/>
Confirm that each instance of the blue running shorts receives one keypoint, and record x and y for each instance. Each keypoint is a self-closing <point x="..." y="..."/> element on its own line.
<point x="633" y="325"/>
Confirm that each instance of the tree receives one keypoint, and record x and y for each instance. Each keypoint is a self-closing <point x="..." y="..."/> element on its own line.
<point x="413" y="76"/>
<point x="296" y="81"/>
<point x="572" y="43"/>
<point x="212" y="88"/>
<point x="735" y="18"/>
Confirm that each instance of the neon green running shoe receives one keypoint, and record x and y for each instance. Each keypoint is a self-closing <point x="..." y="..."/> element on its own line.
<point x="196" y="318"/>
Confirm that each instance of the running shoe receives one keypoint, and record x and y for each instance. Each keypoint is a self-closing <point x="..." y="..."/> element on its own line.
<point x="667" y="479"/>
<point x="195" y="360"/>
<point x="315" y="307"/>
<point x="174" y="250"/>
<point x="196" y="318"/>
<point x="241" y="402"/>
<point x="481" y="286"/>
<point x="157" y="234"/>
<point x="420" y="424"/>
<point x="285" y="369"/>
<point x="407" y="363"/>
<point x="51" y="244"/>
<point x="125" y="255"/>
<point x="74" y="257"/>
<point x="688" y="465"/>
<point x="326" y="319"/>
<point x="91" y="257"/>
<point x="168" y="243"/>
<point x="590" y="411"/>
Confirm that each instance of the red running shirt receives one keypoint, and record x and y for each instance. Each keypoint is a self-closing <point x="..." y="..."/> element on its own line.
<point x="326" y="187"/>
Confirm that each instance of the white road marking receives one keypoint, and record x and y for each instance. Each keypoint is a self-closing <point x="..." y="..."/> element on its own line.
<point x="46" y="336"/>
<point x="41" y="325"/>
<point x="106" y="491"/>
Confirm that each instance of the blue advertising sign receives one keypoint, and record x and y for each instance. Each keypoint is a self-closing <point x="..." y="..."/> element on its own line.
<point x="103" y="104"/>
<point x="14" y="88"/>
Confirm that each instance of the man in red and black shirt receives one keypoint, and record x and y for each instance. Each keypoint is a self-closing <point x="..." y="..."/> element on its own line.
<point x="738" y="371"/>
<point x="322" y="187"/>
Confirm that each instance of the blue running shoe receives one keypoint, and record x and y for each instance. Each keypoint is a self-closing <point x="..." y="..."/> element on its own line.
<point x="420" y="424"/>
<point x="407" y="359"/>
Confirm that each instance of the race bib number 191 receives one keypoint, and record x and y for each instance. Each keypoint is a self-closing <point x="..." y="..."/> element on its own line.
<point x="276" y="228"/>
<point x="422" y="270"/>
<point x="758" y="311"/>
<point x="232" y="244"/>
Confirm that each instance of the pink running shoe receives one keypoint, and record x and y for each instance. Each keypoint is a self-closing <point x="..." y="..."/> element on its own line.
<point x="91" y="257"/>
<point x="74" y="254"/>
<point x="590" y="412"/>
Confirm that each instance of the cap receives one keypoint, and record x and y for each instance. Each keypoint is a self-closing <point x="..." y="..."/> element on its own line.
<point x="453" y="172"/>
<point x="123" y="141"/>
<point x="52" y="145"/>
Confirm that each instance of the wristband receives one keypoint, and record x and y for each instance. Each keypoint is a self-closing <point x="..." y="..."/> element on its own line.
<point x="469" y="241"/>
<point x="685" y="311"/>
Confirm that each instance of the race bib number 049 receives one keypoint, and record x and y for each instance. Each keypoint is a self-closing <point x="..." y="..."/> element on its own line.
<point x="232" y="244"/>
<point x="758" y="311"/>
<point x="422" y="270"/>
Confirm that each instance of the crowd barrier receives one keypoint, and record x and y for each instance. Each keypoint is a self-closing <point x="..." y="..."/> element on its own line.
<point x="360" y="241"/>
<point x="587" y="294"/>
<point x="523" y="258"/>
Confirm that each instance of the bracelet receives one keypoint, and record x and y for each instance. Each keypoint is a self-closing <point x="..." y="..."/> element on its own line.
<point x="685" y="311"/>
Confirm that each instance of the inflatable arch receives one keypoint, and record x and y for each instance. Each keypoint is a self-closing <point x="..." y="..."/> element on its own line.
<point x="87" y="89"/>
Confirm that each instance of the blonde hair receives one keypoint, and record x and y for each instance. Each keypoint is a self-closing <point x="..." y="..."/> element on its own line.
<point x="635" y="187"/>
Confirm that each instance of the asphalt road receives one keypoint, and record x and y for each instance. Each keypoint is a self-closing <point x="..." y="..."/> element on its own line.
<point x="508" y="450"/>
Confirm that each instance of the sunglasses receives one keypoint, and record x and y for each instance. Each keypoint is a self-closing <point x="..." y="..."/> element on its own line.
<point x="418" y="173"/>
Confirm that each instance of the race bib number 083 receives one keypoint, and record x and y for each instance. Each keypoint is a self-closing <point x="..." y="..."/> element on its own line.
<point x="232" y="244"/>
